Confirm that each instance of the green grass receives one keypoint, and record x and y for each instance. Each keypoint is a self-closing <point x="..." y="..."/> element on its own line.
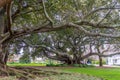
<point x="30" y="64"/>
<point x="105" y="73"/>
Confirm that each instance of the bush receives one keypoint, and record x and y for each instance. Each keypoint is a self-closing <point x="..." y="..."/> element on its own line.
<point x="13" y="63"/>
<point x="65" y="65"/>
<point x="82" y="65"/>
<point x="50" y="65"/>
<point x="25" y="59"/>
<point x="97" y="62"/>
<point x="85" y="65"/>
<point x="91" y="66"/>
<point x="76" y="65"/>
<point x="56" y="65"/>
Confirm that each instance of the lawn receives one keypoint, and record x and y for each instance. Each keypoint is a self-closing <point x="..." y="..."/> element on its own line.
<point x="105" y="73"/>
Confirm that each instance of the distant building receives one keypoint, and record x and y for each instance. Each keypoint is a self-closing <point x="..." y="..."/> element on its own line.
<point x="114" y="60"/>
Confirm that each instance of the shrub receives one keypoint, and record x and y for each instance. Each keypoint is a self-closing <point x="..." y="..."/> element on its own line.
<point x="82" y="65"/>
<point x="64" y="65"/>
<point x="57" y="65"/>
<point x="85" y="65"/>
<point x="97" y="62"/>
<point x="25" y="59"/>
<point x="91" y="66"/>
<point x="50" y="65"/>
<point x="76" y="65"/>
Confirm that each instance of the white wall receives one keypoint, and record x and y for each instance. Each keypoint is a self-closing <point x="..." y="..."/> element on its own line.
<point x="114" y="60"/>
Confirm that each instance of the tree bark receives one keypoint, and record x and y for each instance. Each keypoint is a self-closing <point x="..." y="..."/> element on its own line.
<point x="4" y="2"/>
<point x="3" y="42"/>
<point x="100" y="61"/>
<point x="3" y="56"/>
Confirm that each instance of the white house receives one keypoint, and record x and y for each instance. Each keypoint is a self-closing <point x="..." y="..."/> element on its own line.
<point x="114" y="60"/>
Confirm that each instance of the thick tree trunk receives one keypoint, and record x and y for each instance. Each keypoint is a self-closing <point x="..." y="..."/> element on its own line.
<point x="100" y="61"/>
<point x="4" y="2"/>
<point x="73" y="61"/>
<point x="3" y="45"/>
<point x="3" y="58"/>
<point x="1" y="32"/>
<point x="2" y="64"/>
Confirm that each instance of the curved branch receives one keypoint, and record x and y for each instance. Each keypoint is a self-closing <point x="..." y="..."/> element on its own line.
<point x="92" y="34"/>
<point x="101" y="55"/>
<point x="9" y="19"/>
<point x="47" y="28"/>
<point x="99" y="9"/>
<point x="46" y="14"/>
<point x="4" y="37"/>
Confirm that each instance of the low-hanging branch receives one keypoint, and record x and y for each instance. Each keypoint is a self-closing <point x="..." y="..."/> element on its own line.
<point x="47" y="28"/>
<point x="62" y="55"/>
<point x="46" y="48"/>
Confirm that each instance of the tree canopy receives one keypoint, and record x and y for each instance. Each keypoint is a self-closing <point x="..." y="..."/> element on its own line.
<point x="21" y="19"/>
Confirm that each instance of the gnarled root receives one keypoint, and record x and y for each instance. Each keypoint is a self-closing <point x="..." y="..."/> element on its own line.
<point x="27" y="73"/>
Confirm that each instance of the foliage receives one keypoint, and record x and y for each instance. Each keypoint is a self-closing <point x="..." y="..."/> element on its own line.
<point x="51" y="65"/>
<point x="80" y="65"/>
<point x="25" y="59"/>
<point x="88" y="15"/>
<point x="97" y="62"/>
<point x="72" y="65"/>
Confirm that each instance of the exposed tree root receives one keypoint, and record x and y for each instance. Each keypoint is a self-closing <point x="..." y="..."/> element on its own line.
<point x="27" y="73"/>
<point x="3" y="72"/>
<point x="21" y="74"/>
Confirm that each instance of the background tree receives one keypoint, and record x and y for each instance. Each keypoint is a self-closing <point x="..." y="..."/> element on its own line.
<point x="25" y="58"/>
<point x="69" y="46"/>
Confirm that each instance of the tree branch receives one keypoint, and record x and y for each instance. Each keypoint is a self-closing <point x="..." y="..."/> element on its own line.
<point x="99" y="9"/>
<point x="101" y="55"/>
<point x="106" y="15"/>
<point x="46" y="14"/>
<point x="9" y="19"/>
<point x="46" y="28"/>
<point x="4" y="37"/>
<point x="92" y="34"/>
